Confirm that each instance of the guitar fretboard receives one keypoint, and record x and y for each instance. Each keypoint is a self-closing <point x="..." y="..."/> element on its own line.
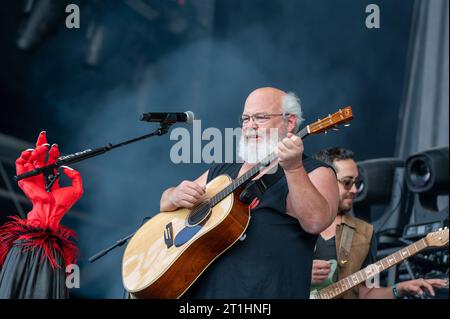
<point x="347" y="283"/>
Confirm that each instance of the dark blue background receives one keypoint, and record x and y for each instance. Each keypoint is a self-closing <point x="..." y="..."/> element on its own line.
<point x="320" y="50"/>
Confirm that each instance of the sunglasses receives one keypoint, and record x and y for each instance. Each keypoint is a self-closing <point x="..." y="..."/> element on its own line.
<point x="348" y="183"/>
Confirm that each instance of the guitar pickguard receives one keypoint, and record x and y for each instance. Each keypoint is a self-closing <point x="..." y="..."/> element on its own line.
<point x="186" y="234"/>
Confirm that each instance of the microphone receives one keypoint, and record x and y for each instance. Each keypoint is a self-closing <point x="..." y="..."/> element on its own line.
<point x="168" y="118"/>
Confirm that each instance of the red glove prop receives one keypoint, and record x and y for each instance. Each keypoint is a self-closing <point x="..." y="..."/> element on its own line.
<point x="41" y="230"/>
<point x="48" y="207"/>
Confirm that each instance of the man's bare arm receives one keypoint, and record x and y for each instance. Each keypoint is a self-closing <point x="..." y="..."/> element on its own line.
<point x="186" y="194"/>
<point x="313" y="198"/>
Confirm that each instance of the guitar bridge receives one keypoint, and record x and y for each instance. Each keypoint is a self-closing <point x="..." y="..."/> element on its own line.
<point x="168" y="235"/>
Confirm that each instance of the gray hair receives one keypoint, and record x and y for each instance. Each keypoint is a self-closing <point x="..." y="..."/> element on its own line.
<point x="291" y="105"/>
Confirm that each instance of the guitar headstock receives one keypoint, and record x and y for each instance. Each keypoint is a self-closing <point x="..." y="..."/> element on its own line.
<point x="331" y="121"/>
<point x="438" y="238"/>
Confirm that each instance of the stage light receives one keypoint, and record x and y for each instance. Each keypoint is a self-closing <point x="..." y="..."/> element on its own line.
<point x="383" y="199"/>
<point x="376" y="177"/>
<point x="42" y="19"/>
<point x="428" y="171"/>
<point x="427" y="178"/>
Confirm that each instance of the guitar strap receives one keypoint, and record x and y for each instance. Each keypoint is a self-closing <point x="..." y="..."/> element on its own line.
<point x="345" y="244"/>
<point x="255" y="189"/>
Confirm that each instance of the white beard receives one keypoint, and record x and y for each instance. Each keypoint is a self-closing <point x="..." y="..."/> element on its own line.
<point x="252" y="151"/>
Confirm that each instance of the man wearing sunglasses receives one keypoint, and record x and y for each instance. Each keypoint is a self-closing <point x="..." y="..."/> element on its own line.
<point x="349" y="244"/>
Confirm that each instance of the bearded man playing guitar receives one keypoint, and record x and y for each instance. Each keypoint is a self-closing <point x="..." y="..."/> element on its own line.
<point x="273" y="259"/>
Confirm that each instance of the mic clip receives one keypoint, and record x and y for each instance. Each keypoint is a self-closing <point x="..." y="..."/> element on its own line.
<point x="169" y="120"/>
<point x="50" y="178"/>
<point x="164" y="128"/>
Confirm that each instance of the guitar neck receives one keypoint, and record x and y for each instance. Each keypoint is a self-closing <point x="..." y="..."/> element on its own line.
<point x="251" y="173"/>
<point x="347" y="283"/>
<point x="331" y="121"/>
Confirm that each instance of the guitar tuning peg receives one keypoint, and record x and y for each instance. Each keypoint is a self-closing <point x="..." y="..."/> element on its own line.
<point x="335" y="128"/>
<point x="325" y="132"/>
<point x="347" y="125"/>
<point x="440" y="229"/>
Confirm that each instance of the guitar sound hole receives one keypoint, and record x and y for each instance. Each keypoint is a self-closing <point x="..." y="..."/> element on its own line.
<point x="198" y="214"/>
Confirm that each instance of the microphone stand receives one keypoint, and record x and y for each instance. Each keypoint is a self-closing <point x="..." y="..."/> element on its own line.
<point x="103" y="252"/>
<point x="118" y="243"/>
<point x="48" y="171"/>
<point x="50" y="177"/>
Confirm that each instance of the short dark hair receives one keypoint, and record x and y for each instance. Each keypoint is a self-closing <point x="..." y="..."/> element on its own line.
<point x="332" y="154"/>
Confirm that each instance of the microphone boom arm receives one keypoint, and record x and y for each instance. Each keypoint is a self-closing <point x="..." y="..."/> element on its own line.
<point x="48" y="170"/>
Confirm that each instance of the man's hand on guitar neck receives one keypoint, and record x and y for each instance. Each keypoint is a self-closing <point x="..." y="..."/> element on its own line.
<point x="289" y="152"/>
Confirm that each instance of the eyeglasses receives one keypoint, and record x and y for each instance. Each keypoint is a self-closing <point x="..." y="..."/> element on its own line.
<point x="259" y="118"/>
<point x="348" y="182"/>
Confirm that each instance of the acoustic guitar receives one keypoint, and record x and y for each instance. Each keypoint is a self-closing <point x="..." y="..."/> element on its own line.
<point x="171" y="250"/>
<point x="435" y="239"/>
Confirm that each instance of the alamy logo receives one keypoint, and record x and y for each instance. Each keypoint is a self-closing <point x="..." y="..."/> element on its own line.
<point x="373" y="19"/>
<point x="73" y="19"/>
<point x="373" y="276"/>
<point x="72" y="276"/>
<point x="251" y="146"/>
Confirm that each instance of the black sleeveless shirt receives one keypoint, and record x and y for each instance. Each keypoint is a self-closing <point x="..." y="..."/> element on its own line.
<point x="274" y="257"/>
